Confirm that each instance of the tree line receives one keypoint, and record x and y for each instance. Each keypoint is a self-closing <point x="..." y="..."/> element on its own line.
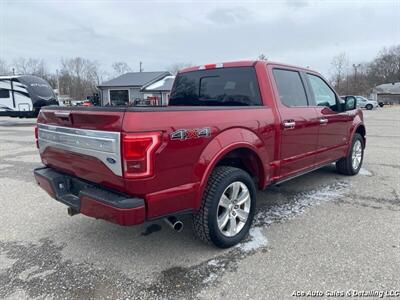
<point x="76" y="77"/>
<point x="79" y="77"/>
<point x="361" y="77"/>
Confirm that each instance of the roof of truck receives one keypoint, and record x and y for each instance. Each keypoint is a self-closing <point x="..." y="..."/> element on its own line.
<point x="240" y="63"/>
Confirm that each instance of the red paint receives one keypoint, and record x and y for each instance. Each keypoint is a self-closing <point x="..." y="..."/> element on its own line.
<point x="179" y="169"/>
<point x="44" y="184"/>
<point x="99" y="210"/>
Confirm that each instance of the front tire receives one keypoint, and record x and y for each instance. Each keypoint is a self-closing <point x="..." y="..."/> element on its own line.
<point x="351" y="164"/>
<point x="227" y="209"/>
<point x="369" y="107"/>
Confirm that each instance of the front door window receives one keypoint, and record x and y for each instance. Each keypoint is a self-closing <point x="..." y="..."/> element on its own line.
<point x="323" y="95"/>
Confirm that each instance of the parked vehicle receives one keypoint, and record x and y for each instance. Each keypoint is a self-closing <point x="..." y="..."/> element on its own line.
<point x="24" y="95"/>
<point x="363" y="102"/>
<point x="229" y="130"/>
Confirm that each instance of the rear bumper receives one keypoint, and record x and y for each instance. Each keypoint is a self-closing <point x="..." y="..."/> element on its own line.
<point x="91" y="200"/>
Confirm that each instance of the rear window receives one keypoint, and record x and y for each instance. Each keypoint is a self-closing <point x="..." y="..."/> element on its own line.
<point x="216" y="87"/>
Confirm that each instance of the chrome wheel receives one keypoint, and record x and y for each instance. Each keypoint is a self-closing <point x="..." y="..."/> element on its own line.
<point x="356" y="155"/>
<point x="233" y="209"/>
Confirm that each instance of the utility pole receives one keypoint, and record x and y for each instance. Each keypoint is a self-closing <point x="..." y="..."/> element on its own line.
<point x="355" y="77"/>
<point x="13" y="70"/>
<point x="140" y="67"/>
<point x="58" y="83"/>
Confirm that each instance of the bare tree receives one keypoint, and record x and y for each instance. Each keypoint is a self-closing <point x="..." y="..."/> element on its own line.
<point x="340" y="64"/>
<point x="4" y="68"/>
<point x="363" y="77"/>
<point x="31" y="66"/>
<point x="386" y="66"/>
<point x="79" y="77"/>
<point x="175" y="68"/>
<point x="121" y="67"/>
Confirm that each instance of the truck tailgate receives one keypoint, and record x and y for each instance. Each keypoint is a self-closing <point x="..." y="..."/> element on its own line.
<point x="83" y="142"/>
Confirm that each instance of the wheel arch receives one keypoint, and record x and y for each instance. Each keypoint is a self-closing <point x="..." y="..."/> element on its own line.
<point x="360" y="129"/>
<point x="237" y="147"/>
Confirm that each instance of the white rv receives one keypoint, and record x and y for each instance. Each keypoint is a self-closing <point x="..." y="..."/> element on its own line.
<point x="24" y="95"/>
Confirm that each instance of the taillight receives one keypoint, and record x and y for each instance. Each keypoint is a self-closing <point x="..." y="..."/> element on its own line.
<point x="138" y="153"/>
<point x="36" y="136"/>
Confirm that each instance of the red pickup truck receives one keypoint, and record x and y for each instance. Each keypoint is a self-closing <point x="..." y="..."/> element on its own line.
<point x="228" y="130"/>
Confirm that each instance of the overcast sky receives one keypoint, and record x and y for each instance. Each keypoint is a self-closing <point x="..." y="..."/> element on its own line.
<point x="160" y="33"/>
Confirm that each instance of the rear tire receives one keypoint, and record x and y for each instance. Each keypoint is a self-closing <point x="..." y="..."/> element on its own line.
<point x="351" y="164"/>
<point x="369" y="106"/>
<point x="227" y="209"/>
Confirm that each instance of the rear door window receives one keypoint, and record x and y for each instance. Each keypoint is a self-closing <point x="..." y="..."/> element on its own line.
<point x="216" y="87"/>
<point x="290" y="88"/>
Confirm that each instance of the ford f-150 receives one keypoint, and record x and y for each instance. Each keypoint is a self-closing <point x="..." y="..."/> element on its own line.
<point x="228" y="130"/>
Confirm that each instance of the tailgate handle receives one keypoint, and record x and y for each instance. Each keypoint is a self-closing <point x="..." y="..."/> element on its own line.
<point x="60" y="114"/>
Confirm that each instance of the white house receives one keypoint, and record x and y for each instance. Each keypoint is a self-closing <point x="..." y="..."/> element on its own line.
<point x="159" y="90"/>
<point x="126" y="88"/>
<point x="387" y="93"/>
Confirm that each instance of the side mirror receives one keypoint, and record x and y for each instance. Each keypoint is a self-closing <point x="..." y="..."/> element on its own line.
<point x="350" y="103"/>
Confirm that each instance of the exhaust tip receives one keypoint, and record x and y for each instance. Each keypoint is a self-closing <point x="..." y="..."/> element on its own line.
<point x="178" y="226"/>
<point x="174" y="223"/>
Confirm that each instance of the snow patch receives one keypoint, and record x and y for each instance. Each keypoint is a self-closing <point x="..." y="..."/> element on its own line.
<point x="210" y="278"/>
<point x="213" y="263"/>
<point x="299" y="204"/>
<point x="257" y="240"/>
<point x="364" y="172"/>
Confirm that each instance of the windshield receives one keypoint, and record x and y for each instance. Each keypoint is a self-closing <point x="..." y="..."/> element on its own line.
<point x="216" y="87"/>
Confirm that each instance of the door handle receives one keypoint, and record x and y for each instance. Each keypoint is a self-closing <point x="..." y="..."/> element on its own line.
<point x="289" y="124"/>
<point x="323" y="121"/>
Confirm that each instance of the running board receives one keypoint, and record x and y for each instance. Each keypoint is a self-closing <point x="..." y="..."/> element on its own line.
<point x="303" y="173"/>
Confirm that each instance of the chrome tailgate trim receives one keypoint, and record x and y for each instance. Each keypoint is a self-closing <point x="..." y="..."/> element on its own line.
<point x="103" y="145"/>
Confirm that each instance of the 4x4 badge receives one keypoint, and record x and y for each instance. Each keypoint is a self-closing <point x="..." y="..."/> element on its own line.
<point x="186" y="134"/>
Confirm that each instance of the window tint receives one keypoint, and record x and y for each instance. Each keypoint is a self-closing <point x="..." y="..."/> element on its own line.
<point x="323" y="94"/>
<point x="216" y="87"/>
<point x="4" y="93"/>
<point x="290" y="88"/>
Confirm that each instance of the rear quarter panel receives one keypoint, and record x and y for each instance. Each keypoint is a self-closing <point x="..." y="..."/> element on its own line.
<point x="182" y="166"/>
